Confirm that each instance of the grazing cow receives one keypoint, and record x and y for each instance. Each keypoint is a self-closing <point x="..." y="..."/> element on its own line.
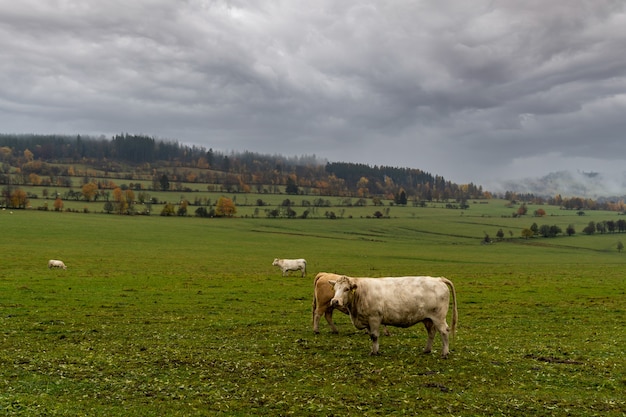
<point x="398" y="301"/>
<point x="290" y="265"/>
<point x="322" y="294"/>
<point x="53" y="263"/>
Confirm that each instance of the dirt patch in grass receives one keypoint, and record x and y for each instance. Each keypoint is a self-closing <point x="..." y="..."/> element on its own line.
<point x="552" y="359"/>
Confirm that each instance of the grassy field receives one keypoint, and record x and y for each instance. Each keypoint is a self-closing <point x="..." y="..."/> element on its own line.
<point x="186" y="316"/>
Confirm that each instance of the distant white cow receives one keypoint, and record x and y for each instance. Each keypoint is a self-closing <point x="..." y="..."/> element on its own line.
<point x="290" y="265"/>
<point x="399" y="301"/>
<point x="54" y="263"/>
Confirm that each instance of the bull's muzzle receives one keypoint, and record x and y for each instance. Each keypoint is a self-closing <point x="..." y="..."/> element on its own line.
<point x="334" y="302"/>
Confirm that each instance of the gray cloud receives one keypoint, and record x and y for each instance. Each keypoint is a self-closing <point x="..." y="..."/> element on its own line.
<point x="474" y="91"/>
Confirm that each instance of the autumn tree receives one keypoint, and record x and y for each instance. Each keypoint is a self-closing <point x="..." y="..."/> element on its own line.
<point x="129" y="195"/>
<point x="90" y="191"/>
<point x="120" y="201"/>
<point x="19" y="199"/>
<point x="168" y="210"/>
<point x="527" y="233"/>
<point x="58" y="204"/>
<point x="34" y="179"/>
<point x="117" y="194"/>
<point x="225" y="207"/>
<point x="28" y="155"/>
<point x="362" y="187"/>
<point x="182" y="209"/>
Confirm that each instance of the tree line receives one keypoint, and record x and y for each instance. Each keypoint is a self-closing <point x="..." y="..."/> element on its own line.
<point x="551" y="231"/>
<point x="53" y="160"/>
<point x="50" y="160"/>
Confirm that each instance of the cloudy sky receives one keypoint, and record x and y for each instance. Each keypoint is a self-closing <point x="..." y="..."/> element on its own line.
<point x="476" y="91"/>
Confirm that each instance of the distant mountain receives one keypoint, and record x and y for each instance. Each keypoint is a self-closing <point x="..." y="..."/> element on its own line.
<point x="593" y="185"/>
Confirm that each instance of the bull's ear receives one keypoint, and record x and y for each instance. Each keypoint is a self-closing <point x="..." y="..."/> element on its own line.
<point x="332" y="283"/>
<point x="353" y="287"/>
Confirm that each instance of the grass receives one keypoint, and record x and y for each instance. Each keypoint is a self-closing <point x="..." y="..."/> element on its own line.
<point x="186" y="316"/>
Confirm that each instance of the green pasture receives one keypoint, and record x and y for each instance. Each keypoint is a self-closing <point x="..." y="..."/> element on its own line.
<point x="183" y="316"/>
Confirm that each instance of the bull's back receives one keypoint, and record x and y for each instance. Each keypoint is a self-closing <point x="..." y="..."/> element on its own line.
<point x="405" y="301"/>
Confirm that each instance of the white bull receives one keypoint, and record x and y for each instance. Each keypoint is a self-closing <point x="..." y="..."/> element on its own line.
<point x="400" y="302"/>
<point x="290" y="265"/>
<point x="322" y="295"/>
<point x="55" y="263"/>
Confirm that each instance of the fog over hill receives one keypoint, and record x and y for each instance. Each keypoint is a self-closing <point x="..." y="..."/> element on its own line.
<point x="594" y="185"/>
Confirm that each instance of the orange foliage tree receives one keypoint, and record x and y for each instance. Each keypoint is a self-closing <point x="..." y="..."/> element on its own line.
<point x="225" y="207"/>
<point x="19" y="199"/>
<point x="90" y="190"/>
<point x="34" y="179"/>
<point x="120" y="201"/>
<point x="58" y="204"/>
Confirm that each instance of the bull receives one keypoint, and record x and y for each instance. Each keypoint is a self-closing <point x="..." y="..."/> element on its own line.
<point x="400" y="302"/>
<point x="287" y="265"/>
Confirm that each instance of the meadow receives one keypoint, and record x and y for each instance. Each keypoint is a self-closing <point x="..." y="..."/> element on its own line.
<point x="184" y="316"/>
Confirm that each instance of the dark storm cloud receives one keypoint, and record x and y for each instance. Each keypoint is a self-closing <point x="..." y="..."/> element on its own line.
<point x="473" y="91"/>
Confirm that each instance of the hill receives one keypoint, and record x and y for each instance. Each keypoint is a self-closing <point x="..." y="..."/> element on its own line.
<point x="52" y="159"/>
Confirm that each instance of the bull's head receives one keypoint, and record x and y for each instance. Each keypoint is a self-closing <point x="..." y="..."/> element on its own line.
<point x="344" y="288"/>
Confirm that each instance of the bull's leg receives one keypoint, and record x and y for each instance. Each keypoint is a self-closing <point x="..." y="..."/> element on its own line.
<point x="373" y="331"/>
<point x="329" y="319"/>
<point x="432" y="331"/>
<point x="444" y="330"/>
<point x="316" y="321"/>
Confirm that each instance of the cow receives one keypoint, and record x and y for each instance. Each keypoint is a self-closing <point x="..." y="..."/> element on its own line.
<point x="290" y="265"/>
<point x="400" y="302"/>
<point x="322" y="294"/>
<point x="54" y="263"/>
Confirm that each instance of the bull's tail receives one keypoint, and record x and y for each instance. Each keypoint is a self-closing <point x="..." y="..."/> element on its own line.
<point x="318" y="276"/>
<point x="455" y="314"/>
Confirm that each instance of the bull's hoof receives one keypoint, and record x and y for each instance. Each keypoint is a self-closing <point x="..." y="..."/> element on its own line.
<point x="426" y="351"/>
<point x="374" y="353"/>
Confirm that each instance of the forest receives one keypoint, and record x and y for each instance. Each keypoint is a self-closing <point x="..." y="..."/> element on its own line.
<point x="153" y="164"/>
<point x="51" y="159"/>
